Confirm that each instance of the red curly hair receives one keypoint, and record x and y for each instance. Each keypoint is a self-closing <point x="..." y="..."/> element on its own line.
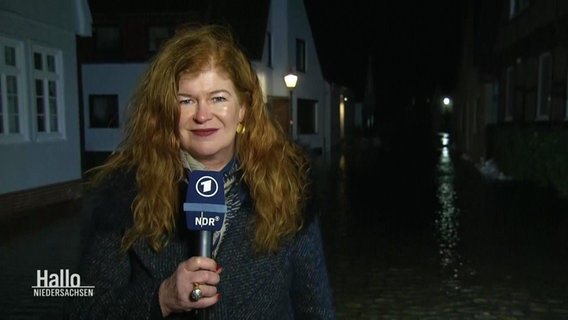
<point x="274" y="168"/>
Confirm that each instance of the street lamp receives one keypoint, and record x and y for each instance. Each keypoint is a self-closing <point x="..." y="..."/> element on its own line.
<point x="447" y="104"/>
<point x="291" y="79"/>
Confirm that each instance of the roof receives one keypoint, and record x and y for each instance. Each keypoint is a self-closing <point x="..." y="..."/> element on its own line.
<point x="146" y="6"/>
<point x="247" y="18"/>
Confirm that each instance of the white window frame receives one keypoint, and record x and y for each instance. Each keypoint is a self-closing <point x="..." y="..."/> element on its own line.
<point x="47" y="77"/>
<point x="18" y="71"/>
<point x="544" y="94"/>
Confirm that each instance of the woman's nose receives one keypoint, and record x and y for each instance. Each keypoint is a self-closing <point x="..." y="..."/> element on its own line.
<point x="202" y="113"/>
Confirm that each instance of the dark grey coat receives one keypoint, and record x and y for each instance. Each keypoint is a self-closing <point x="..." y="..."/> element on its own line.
<point x="291" y="284"/>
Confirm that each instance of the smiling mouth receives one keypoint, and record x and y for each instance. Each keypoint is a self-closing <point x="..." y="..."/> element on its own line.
<point x="204" y="132"/>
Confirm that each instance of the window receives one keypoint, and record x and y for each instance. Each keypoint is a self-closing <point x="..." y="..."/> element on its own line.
<point x="108" y="39"/>
<point x="31" y="91"/>
<point x="300" y="55"/>
<point x="544" y="86"/>
<point x="11" y="89"/>
<point x="103" y="111"/>
<point x="509" y="92"/>
<point x="47" y="89"/>
<point x="156" y="36"/>
<point x="307" y="116"/>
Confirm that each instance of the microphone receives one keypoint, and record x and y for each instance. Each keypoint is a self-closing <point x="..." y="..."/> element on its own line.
<point x="205" y="206"/>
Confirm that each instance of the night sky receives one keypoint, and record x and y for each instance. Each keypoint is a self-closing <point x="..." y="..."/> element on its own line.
<point x="415" y="44"/>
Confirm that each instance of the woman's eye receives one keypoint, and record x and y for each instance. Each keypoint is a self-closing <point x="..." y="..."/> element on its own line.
<point x="185" y="101"/>
<point x="219" y="99"/>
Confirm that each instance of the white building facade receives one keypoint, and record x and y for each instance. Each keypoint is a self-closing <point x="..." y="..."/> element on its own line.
<point x="39" y="100"/>
<point x="287" y="27"/>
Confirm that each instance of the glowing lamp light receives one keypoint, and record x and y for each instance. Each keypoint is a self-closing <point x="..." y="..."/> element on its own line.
<point x="445" y="139"/>
<point x="447" y="104"/>
<point x="291" y="80"/>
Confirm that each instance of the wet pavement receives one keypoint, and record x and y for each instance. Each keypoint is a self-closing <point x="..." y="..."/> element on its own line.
<point x="409" y="234"/>
<point x="432" y="239"/>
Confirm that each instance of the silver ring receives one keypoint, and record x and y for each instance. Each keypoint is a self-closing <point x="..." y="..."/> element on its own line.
<point x="196" y="293"/>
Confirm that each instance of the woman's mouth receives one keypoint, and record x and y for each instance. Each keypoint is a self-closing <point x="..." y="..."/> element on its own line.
<point x="203" y="132"/>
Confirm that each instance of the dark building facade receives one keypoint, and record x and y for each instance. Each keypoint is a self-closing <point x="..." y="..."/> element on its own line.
<point x="512" y="104"/>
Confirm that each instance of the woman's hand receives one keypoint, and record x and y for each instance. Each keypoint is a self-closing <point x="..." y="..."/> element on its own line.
<point x="174" y="293"/>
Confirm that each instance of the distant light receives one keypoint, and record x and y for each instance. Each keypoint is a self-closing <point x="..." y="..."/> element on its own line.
<point x="345" y="99"/>
<point x="445" y="139"/>
<point x="447" y="104"/>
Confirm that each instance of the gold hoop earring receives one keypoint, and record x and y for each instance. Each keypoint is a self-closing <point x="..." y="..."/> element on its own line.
<point x="240" y="128"/>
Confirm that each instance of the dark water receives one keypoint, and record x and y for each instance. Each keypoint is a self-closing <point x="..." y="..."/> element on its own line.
<point x="432" y="239"/>
<point x="410" y="233"/>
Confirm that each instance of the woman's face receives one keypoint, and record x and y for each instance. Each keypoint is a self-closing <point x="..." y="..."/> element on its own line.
<point x="209" y="113"/>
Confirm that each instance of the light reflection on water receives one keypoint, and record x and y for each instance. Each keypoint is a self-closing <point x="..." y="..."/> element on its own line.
<point x="447" y="222"/>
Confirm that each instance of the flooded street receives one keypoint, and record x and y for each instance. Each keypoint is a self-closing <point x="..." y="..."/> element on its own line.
<point x="425" y="236"/>
<point x="409" y="234"/>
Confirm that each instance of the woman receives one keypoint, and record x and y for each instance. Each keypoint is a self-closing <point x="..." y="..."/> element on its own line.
<point x="200" y="107"/>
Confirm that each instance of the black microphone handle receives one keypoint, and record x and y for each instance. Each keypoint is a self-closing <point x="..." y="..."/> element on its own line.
<point x="205" y="239"/>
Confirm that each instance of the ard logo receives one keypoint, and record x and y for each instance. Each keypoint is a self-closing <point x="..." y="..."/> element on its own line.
<point x="206" y="187"/>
